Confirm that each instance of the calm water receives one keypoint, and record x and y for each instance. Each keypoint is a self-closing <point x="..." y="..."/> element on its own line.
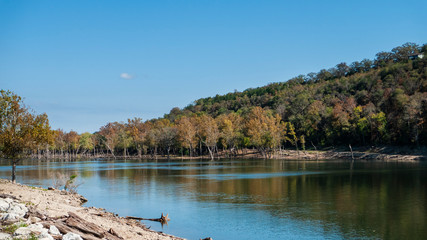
<point x="254" y="199"/>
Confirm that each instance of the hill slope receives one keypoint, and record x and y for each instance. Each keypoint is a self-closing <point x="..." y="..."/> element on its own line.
<point x="380" y="101"/>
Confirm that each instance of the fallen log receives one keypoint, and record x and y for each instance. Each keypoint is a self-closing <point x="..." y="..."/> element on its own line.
<point x="163" y="219"/>
<point x="77" y="225"/>
<point x="75" y="221"/>
<point x="64" y="229"/>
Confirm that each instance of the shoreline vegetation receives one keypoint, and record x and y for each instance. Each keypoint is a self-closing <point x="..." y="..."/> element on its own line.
<point x="40" y="209"/>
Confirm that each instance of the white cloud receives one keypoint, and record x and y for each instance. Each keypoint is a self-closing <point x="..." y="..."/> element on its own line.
<point x="126" y="76"/>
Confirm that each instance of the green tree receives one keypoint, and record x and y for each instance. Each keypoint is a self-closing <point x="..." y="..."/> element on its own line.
<point x="379" y="127"/>
<point x="290" y="134"/>
<point x="86" y="142"/>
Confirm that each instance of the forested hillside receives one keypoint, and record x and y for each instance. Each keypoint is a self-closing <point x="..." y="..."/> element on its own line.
<point x="380" y="101"/>
<point x="372" y="102"/>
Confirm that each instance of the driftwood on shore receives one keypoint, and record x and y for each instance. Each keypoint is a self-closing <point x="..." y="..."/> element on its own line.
<point x="87" y="230"/>
<point x="75" y="224"/>
<point x="163" y="219"/>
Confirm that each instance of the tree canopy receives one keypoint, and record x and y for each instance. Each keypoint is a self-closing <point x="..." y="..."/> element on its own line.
<point x="20" y="129"/>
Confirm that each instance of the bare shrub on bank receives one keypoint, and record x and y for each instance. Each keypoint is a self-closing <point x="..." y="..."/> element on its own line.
<point x="66" y="182"/>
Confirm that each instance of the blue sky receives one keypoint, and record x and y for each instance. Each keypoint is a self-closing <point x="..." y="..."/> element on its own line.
<point x="86" y="63"/>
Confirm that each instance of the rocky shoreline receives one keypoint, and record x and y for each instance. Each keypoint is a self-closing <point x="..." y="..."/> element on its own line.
<point x="35" y="213"/>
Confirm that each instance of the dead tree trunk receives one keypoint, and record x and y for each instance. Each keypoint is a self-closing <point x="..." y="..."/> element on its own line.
<point x="351" y="150"/>
<point x="14" y="162"/>
<point x="315" y="149"/>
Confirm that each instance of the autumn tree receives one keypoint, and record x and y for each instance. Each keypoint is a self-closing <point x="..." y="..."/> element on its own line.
<point x="98" y="143"/>
<point x="124" y="139"/>
<point x="138" y="131"/>
<point x="187" y="133"/>
<point x="72" y="142"/>
<point x="20" y="130"/>
<point x="152" y="138"/>
<point x="43" y="136"/>
<point x="167" y="138"/>
<point x="110" y="134"/>
<point x="208" y="133"/>
<point x="59" y="140"/>
<point x="264" y="130"/>
<point x="230" y="127"/>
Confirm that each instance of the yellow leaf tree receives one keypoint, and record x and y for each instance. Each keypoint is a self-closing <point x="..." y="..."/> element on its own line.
<point x="230" y="127"/>
<point x="138" y="131"/>
<point x="208" y="133"/>
<point x="264" y="130"/>
<point x="187" y="132"/>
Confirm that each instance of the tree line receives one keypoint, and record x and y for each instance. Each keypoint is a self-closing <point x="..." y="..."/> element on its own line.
<point x="189" y="136"/>
<point x="371" y="102"/>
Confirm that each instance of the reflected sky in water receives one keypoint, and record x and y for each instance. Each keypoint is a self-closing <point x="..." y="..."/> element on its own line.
<point x="253" y="199"/>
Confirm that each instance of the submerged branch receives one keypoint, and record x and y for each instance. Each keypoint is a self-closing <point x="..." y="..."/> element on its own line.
<point x="163" y="219"/>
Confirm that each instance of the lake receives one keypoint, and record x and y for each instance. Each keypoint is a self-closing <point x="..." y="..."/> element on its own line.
<point x="253" y="199"/>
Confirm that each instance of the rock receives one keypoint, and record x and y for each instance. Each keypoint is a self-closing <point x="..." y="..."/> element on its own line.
<point x="37" y="228"/>
<point x="45" y="236"/>
<point x="34" y="220"/>
<point x="22" y="232"/>
<point x="3" y="205"/>
<point x="18" y="209"/>
<point x="8" y="200"/>
<point x="53" y="230"/>
<point x="10" y="217"/>
<point x="5" y="236"/>
<point x="71" y="236"/>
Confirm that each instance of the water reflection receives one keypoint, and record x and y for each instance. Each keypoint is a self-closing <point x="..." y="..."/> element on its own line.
<point x="255" y="199"/>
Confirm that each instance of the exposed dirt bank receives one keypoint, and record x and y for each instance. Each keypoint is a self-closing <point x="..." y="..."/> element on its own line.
<point x="356" y="155"/>
<point x="365" y="153"/>
<point x="359" y="154"/>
